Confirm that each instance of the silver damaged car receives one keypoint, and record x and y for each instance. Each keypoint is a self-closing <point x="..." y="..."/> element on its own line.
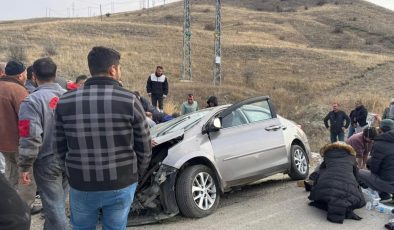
<point x="204" y="154"/>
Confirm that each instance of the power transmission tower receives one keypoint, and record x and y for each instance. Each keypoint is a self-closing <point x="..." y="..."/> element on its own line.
<point x="217" y="72"/>
<point x="187" y="47"/>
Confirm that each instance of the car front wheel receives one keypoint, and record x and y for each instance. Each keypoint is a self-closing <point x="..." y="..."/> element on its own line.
<point x="299" y="163"/>
<point x="197" y="191"/>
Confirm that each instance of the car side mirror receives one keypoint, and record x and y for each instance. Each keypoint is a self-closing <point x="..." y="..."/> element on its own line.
<point x="213" y="126"/>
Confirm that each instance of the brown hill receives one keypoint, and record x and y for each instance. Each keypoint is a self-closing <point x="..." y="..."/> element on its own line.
<point x="303" y="53"/>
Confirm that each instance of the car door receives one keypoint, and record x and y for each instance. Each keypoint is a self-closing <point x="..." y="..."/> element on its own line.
<point x="250" y="143"/>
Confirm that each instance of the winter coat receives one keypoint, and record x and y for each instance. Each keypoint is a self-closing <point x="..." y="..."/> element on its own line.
<point x="336" y="184"/>
<point x="381" y="162"/>
<point x="37" y="124"/>
<point x="337" y="121"/>
<point x="360" y="116"/>
<point x="157" y="86"/>
<point x="12" y="93"/>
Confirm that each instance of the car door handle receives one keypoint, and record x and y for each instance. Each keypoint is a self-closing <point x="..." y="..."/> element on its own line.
<point x="273" y="127"/>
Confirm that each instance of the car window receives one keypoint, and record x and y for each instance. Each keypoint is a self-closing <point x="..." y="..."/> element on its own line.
<point x="235" y="118"/>
<point x="185" y="122"/>
<point x="258" y="111"/>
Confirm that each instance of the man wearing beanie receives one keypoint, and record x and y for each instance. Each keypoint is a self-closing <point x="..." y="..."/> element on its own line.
<point x="13" y="92"/>
<point x="380" y="175"/>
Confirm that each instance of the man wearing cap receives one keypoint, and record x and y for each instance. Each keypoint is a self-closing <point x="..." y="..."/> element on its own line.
<point x="13" y="92"/>
<point x="380" y="175"/>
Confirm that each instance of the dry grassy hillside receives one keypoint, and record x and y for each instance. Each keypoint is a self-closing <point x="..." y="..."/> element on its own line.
<point x="303" y="53"/>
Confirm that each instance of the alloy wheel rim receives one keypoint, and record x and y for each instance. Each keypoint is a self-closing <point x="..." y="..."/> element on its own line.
<point x="204" y="191"/>
<point x="300" y="161"/>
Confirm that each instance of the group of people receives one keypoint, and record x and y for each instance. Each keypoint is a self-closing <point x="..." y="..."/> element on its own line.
<point x="90" y="143"/>
<point x="365" y="160"/>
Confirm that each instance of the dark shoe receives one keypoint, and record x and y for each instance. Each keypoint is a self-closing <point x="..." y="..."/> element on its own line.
<point x="35" y="210"/>
<point x="385" y="197"/>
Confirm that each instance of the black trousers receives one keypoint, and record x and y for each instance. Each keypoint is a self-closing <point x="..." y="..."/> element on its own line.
<point x="157" y="99"/>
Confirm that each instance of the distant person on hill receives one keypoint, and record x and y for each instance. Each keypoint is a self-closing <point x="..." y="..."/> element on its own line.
<point x="2" y="68"/>
<point x="157" y="87"/>
<point x="339" y="122"/>
<point x="189" y="106"/>
<point x="389" y="111"/>
<point x="362" y="144"/>
<point x="79" y="81"/>
<point x="212" y="101"/>
<point x="358" y="119"/>
<point x="30" y="83"/>
<point x="380" y="175"/>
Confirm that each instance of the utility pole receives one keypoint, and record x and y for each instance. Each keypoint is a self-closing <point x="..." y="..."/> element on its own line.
<point x="187" y="47"/>
<point x="217" y="72"/>
<point x="101" y="13"/>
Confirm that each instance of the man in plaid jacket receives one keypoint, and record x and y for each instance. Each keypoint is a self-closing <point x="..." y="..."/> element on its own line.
<point x="103" y="142"/>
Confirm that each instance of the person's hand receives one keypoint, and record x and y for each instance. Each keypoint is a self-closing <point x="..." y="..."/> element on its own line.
<point x="164" y="96"/>
<point x="154" y="143"/>
<point x="149" y="94"/>
<point x="149" y="114"/>
<point x="25" y="178"/>
<point x="343" y="128"/>
<point x="377" y="117"/>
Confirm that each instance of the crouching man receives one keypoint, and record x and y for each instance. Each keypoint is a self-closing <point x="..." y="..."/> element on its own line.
<point x="335" y="187"/>
<point x="36" y="131"/>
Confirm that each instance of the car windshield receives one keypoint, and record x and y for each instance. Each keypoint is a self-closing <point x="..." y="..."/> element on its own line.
<point x="185" y="122"/>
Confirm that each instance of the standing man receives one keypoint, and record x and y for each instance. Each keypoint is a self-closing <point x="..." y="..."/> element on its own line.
<point x="359" y="117"/>
<point x="30" y="83"/>
<point x="103" y="141"/>
<point x="157" y="87"/>
<point x="189" y="106"/>
<point x="13" y="92"/>
<point x="36" y="131"/>
<point x="339" y="121"/>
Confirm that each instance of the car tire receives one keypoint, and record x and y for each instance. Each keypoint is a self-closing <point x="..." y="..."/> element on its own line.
<point x="299" y="163"/>
<point x="206" y="195"/>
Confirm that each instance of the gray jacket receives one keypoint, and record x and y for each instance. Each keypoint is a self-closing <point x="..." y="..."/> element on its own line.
<point x="37" y="124"/>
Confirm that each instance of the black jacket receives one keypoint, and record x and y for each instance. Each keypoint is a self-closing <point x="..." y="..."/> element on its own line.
<point x="157" y="86"/>
<point x="336" y="184"/>
<point x="337" y="120"/>
<point x="359" y="116"/>
<point x="381" y="162"/>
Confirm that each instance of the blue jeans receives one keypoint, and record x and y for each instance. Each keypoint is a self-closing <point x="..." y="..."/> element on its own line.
<point x="53" y="187"/>
<point x="352" y="130"/>
<point x="337" y="137"/>
<point x="115" y="205"/>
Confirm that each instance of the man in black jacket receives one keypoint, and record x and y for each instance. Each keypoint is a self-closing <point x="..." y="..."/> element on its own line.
<point x="339" y="121"/>
<point x="381" y="164"/>
<point x="157" y="87"/>
<point x="103" y="141"/>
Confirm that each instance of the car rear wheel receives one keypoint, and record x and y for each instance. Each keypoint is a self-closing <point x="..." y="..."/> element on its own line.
<point x="197" y="191"/>
<point x="299" y="163"/>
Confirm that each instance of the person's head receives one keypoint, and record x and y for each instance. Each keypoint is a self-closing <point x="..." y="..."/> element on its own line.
<point x="190" y="98"/>
<point x="44" y="70"/>
<point x="335" y="106"/>
<point x="29" y="72"/>
<point x="212" y="101"/>
<point x="17" y="70"/>
<point x="159" y="71"/>
<point x="386" y="125"/>
<point x="369" y="134"/>
<point x="103" y="61"/>
<point x="80" y="80"/>
<point x="2" y="68"/>
<point x="358" y="103"/>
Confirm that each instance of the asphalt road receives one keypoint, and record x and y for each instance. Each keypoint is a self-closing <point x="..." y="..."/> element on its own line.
<point x="276" y="203"/>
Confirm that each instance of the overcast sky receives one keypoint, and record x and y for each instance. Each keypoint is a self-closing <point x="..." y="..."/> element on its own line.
<point x="22" y="9"/>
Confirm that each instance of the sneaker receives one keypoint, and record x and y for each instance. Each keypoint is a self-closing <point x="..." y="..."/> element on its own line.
<point x="35" y="210"/>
